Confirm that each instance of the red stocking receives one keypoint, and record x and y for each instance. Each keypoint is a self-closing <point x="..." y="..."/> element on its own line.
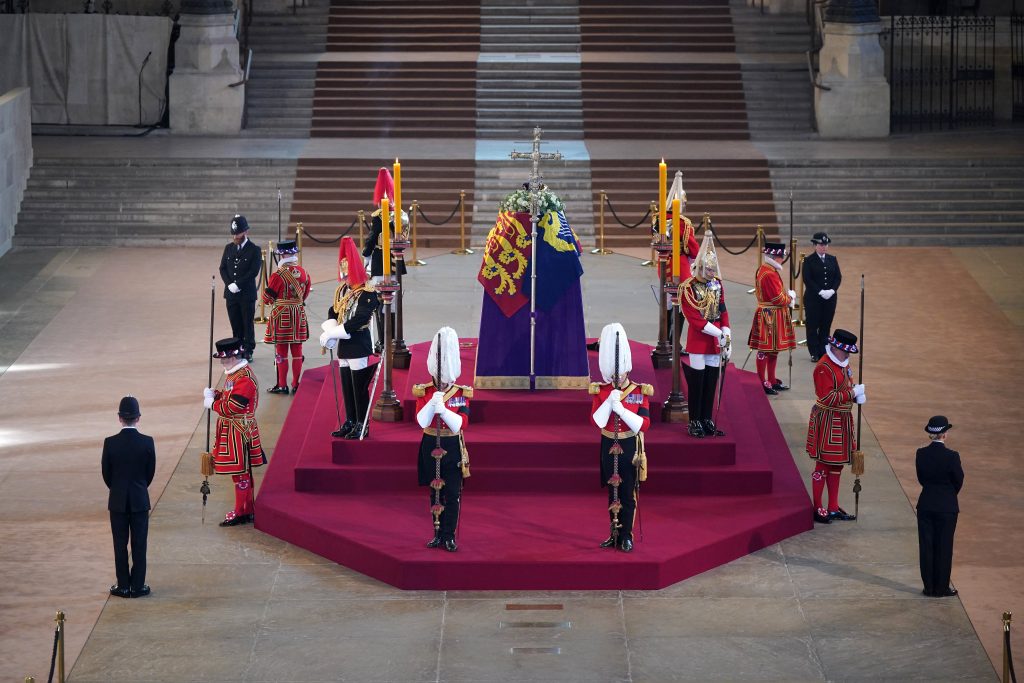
<point x="762" y="366"/>
<point x="297" y="359"/>
<point x="242" y="490"/>
<point x="281" y="360"/>
<point x="834" y="472"/>
<point x="773" y="359"/>
<point x="818" y="485"/>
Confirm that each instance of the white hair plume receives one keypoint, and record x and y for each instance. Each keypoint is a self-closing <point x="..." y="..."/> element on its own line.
<point x="606" y="352"/>
<point x="451" y="361"/>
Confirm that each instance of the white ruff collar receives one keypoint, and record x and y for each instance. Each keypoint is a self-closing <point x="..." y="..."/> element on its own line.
<point x="287" y="260"/>
<point x="241" y="364"/>
<point x="842" y="364"/>
<point x="773" y="263"/>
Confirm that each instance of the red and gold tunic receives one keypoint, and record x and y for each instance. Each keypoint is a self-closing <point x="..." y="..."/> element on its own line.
<point x="702" y="302"/>
<point x="636" y="399"/>
<point x="830" y="437"/>
<point x="456" y="399"/>
<point x="687" y="246"/>
<point x="772" y="328"/>
<point x="288" y="289"/>
<point x="237" y="448"/>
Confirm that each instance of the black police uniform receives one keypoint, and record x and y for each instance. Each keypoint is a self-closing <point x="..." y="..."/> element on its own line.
<point x="241" y="265"/>
<point x="941" y="477"/>
<point x="818" y="274"/>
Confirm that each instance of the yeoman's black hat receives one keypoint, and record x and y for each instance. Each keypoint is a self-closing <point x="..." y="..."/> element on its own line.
<point x="228" y="348"/>
<point x="128" y="408"/>
<point x="938" y="425"/>
<point x="774" y="248"/>
<point x="844" y="341"/>
<point x="287" y="247"/>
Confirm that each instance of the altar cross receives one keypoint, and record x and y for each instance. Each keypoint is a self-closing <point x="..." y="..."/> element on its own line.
<point x="536" y="156"/>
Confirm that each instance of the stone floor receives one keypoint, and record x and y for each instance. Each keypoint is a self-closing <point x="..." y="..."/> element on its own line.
<point x="81" y="327"/>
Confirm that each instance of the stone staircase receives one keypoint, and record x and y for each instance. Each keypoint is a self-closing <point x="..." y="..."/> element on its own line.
<point x="904" y="202"/>
<point x="304" y="32"/>
<point x="150" y="202"/>
<point x="656" y="26"/>
<point x="533" y="26"/>
<point x="404" y="25"/>
<point x="513" y="96"/>
<point x="569" y="179"/>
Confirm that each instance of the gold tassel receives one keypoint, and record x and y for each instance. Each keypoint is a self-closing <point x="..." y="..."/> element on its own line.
<point x="857" y="463"/>
<point x="206" y="464"/>
<point x="640" y="459"/>
<point x="464" y="464"/>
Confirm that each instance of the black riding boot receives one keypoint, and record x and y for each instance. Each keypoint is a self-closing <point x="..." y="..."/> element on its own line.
<point x="350" y="402"/>
<point x="694" y="391"/>
<point x="708" y="400"/>
<point x="361" y="380"/>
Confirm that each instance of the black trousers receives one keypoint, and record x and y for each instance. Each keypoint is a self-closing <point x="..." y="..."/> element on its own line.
<point x="935" y="539"/>
<point x="133" y="527"/>
<point x="241" y="313"/>
<point x="818" y="314"/>
<point x="627" y="470"/>
<point x="451" y="498"/>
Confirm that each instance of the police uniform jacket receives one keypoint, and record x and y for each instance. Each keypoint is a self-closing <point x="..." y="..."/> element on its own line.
<point x="821" y="274"/>
<point x="241" y="266"/>
<point x="941" y="477"/>
<point x="128" y="464"/>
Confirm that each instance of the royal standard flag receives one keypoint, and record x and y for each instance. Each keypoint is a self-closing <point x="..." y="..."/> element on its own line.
<point x="503" y="271"/>
<point x="558" y="259"/>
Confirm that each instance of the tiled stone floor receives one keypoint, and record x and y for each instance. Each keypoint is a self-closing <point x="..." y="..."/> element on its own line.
<point x="81" y="327"/>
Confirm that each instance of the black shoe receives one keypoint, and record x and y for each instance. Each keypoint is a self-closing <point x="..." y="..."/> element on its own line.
<point x="235" y="521"/>
<point x="927" y="593"/>
<point x="356" y="429"/>
<point x="948" y="593"/>
<point x="822" y="519"/>
<point x="295" y="389"/>
<point x="344" y="431"/>
<point x="626" y="546"/>
<point x="769" y="389"/>
<point x="710" y="429"/>
<point x="594" y="345"/>
<point x="607" y="543"/>
<point x="142" y="592"/>
<point x="842" y="515"/>
<point x="450" y="546"/>
<point x="695" y="429"/>
<point x="779" y="386"/>
<point x="277" y="389"/>
<point x="119" y="592"/>
<point x="435" y="542"/>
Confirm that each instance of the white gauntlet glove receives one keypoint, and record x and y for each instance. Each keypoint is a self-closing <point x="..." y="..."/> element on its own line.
<point x="208" y="397"/>
<point x="792" y="298"/>
<point x="233" y="288"/>
<point x="858" y="390"/>
<point x="827" y="294"/>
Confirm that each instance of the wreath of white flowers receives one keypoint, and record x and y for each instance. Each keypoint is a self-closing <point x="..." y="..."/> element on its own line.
<point x="519" y="201"/>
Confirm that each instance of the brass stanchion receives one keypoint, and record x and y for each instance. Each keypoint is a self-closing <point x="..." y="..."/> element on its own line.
<point x="653" y="261"/>
<point x="1007" y="616"/>
<point x="29" y="679"/>
<point x="262" y="317"/>
<point x="462" y="225"/>
<point x="387" y="408"/>
<point x="759" y="240"/>
<point x="600" y="244"/>
<point x="60" y="645"/>
<point x="798" y="304"/>
<point x="298" y="241"/>
<point x="361" y="219"/>
<point x="801" y="321"/>
<point x="412" y="218"/>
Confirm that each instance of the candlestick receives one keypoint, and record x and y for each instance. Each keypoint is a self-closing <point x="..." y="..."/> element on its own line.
<point x="662" y="187"/>
<point x="675" y="238"/>
<point x="385" y="219"/>
<point x="398" y="196"/>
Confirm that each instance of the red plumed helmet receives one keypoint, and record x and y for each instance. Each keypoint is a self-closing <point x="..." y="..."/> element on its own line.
<point x="347" y="251"/>
<point x="385" y="186"/>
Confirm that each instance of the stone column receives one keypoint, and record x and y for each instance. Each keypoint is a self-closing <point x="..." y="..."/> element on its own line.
<point x="852" y="68"/>
<point x="205" y="64"/>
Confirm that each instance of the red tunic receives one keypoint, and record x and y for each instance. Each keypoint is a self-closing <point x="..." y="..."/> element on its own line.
<point x="830" y="437"/>
<point x="237" y="448"/>
<point x="456" y="398"/>
<point x="697" y="301"/>
<point x="287" y="324"/>
<point x="687" y="246"/>
<point x="772" y="327"/>
<point x="634" y="398"/>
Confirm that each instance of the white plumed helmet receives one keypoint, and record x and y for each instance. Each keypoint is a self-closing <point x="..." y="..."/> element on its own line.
<point x="606" y="352"/>
<point x="451" y="361"/>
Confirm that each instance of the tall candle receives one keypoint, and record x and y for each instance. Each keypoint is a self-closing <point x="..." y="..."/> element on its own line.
<point x="398" y="196"/>
<point x="385" y="219"/>
<point x="662" y="187"/>
<point x="675" y="237"/>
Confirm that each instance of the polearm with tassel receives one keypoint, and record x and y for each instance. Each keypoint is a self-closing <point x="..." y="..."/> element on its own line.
<point x="857" y="461"/>
<point x="792" y="276"/>
<point x="205" y="459"/>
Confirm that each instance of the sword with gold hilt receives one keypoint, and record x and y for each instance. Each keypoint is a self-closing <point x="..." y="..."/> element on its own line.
<point x="438" y="452"/>
<point x="615" y="451"/>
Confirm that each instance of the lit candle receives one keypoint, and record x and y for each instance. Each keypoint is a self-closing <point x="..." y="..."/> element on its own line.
<point x="662" y="186"/>
<point x="398" y="196"/>
<point x="675" y="237"/>
<point x="385" y="219"/>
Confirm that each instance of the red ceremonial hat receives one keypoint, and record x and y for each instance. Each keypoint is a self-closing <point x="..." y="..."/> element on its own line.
<point x="348" y="251"/>
<point x="385" y="186"/>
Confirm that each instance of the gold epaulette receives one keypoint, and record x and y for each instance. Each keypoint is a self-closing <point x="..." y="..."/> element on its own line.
<point x="647" y="389"/>
<point x="419" y="390"/>
<point x="594" y="388"/>
<point x="376" y="213"/>
<point x="467" y="390"/>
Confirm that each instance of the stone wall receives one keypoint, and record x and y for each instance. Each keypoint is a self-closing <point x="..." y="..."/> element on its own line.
<point x="15" y="158"/>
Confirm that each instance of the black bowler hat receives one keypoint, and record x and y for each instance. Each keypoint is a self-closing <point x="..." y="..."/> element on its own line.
<point x="938" y="425"/>
<point x="239" y="224"/>
<point x="844" y="341"/>
<point x="820" y="238"/>
<point x="128" y="408"/>
<point x="287" y="247"/>
<point x="228" y="348"/>
<point x="774" y="248"/>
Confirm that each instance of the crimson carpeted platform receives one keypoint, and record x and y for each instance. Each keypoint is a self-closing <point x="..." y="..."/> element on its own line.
<point x="533" y="512"/>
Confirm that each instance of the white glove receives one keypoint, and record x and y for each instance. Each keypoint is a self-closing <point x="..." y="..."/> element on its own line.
<point x="208" y="402"/>
<point x="208" y="393"/>
<point x="338" y="332"/>
<point x="710" y="328"/>
<point x="614" y="395"/>
<point x="792" y="298"/>
<point x="858" y="390"/>
<point x="826" y="294"/>
<point x="328" y="324"/>
<point x="862" y="399"/>
<point x="438" y="399"/>
<point x="727" y="353"/>
<point x="327" y="342"/>
<point x="618" y="408"/>
<point x="727" y="332"/>
<point x="233" y="288"/>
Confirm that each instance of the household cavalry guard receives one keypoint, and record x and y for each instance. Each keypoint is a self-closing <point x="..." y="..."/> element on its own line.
<point x="287" y="291"/>
<point x="237" y="449"/>
<point x="687" y="242"/>
<point x="621" y="409"/>
<point x="708" y="337"/>
<point x="772" y="328"/>
<point x="373" y="249"/>
<point x="830" y="437"/>
<point x="347" y="329"/>
<point x="442" y="410"/>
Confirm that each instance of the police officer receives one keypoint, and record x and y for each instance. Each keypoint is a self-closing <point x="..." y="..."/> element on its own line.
<point x="239" y="267"/>
<point x="821" y="281"/>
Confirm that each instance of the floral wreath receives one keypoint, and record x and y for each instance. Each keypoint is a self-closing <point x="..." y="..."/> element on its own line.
<point x="520" y="201"/>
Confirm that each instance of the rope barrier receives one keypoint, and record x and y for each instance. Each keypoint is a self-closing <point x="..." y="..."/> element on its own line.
<point x="345" y="232"/>
<point x="627" y="226"/>
<point x="53" y="655"/>
<point x="450" y="216"/>
<point x="730" y="251"/>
